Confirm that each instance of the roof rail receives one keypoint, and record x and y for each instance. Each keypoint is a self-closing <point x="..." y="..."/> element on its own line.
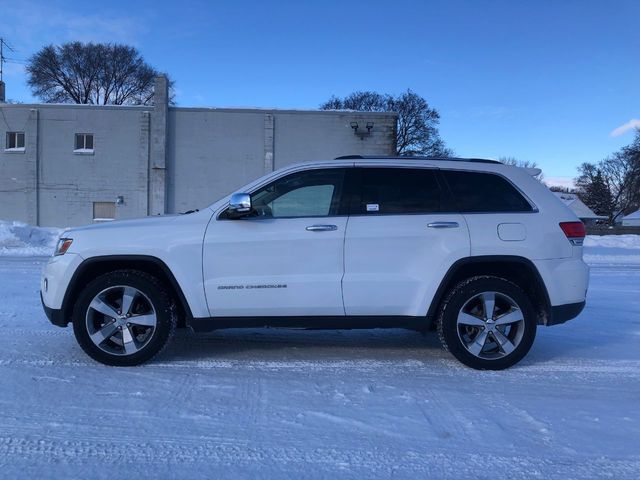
<point x="401" y="157"/>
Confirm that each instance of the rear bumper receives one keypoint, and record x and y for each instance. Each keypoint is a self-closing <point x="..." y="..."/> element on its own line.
<point x="54" y="315"/>
<point x="566" y="279"/>
<point x="564" y="313"/>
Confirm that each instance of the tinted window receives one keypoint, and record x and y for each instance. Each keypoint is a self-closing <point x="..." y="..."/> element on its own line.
<point x="484" y="192"/>
<point x="399" y="190"/>
<point x="309" y="201"/>
<point x="314" y="193"/>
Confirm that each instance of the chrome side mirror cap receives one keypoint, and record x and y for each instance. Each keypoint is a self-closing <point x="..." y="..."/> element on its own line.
<point x="239" y="205"/>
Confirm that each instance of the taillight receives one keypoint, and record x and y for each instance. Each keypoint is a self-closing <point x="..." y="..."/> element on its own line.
<point x="574" y="231"/>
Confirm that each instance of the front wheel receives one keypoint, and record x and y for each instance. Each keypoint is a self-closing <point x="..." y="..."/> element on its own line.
<point x="124" y="318"/>
<point x="487" y="323"/>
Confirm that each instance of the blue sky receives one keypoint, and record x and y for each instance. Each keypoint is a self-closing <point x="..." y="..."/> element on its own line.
<point x="545" y="81"/>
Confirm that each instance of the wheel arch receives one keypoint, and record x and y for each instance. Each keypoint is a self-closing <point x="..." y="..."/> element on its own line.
<point x="96" y="266"/>
<point x="516" y="269"/>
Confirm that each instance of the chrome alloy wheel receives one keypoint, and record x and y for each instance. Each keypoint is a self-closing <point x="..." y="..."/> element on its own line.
<point x="490" y="325"/>
<point x="121" y="320"/>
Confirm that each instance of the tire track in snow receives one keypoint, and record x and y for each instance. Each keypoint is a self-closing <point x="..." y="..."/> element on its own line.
<point x="352" y="423"/>
<point x="511" y="417"/>
<point x="446" y="419"/>
<point x="149" y="457"/>
<point x="626" y="368"/>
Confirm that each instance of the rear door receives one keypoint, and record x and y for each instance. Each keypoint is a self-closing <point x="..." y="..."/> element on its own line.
<point x="400" y="241"/>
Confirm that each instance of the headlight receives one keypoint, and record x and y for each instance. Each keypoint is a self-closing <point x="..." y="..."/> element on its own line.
<point x="63" y="245"/>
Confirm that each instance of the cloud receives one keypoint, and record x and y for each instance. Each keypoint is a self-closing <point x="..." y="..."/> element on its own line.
<point x="31" y="24"/>
<point x="625" y="127"/>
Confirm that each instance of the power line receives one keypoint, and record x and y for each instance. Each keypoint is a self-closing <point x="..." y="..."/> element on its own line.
<point x="3" y="59"/>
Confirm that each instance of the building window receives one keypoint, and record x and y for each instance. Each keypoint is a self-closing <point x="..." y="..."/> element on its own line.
<point x="84" y="143"/>
<point x="15" y="142"/>
<point x="104" y="211"/>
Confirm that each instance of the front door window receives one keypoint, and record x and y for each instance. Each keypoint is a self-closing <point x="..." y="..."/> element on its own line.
<point x="313" y="193"/>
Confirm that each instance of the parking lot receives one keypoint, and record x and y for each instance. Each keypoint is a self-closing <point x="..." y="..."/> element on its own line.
<point x="358" y="404"/>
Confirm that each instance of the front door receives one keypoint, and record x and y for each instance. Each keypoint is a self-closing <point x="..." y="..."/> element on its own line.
<point x="287" y="257"/>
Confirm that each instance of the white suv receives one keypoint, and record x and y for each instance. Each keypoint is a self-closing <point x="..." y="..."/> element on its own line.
<point x="480" y="250"/>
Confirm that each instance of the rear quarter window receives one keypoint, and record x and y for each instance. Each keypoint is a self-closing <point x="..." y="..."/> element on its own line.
<point x="484" y="192"/>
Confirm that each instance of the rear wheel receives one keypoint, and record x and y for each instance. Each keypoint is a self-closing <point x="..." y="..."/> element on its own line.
<point x="487" y="323"/>
<point x="124" y="318"/>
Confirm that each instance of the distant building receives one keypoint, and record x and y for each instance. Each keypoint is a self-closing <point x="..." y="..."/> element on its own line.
<point x="66" y="165"/>
<point x="631" y="220"/>
<point x="578" y="207"/>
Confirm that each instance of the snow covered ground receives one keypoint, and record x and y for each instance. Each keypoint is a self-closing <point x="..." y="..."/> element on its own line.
<point x="290" y="404"/>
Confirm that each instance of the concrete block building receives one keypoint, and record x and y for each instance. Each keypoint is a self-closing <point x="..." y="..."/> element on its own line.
<point x="67" y="165"/>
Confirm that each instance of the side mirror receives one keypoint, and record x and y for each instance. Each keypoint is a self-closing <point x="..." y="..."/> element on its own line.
<point x="239" y="205"/>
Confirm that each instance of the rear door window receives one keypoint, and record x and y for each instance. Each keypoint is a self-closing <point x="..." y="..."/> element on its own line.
<point x="395" y="191"/>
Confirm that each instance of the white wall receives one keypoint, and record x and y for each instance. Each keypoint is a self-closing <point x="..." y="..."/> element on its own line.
<point x="210" y="152"/>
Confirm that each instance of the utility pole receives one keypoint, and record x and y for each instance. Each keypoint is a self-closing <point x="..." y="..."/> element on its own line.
<point x="3" y="59"/>
<point x="2" y="62"/>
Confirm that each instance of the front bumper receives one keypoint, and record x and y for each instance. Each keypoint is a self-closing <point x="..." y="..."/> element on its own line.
<point x="56" y="275"/>
<point x="54" y="315"/>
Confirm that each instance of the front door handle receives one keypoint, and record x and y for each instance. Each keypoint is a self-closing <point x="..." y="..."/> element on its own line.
<point x="322" y="228"/>
<point x="443" y="225"/>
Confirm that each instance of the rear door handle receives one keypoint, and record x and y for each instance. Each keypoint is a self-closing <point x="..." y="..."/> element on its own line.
<point x="443" y="225"/>
<point x="322" y="228"/>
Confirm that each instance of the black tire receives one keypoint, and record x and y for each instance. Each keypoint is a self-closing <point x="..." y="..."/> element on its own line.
<point x="459" y="339"/>
<point x="151" y="295"/>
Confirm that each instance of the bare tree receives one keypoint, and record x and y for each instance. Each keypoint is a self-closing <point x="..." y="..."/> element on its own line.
<point x="360" y="101"/>
<point x="101" y="74"/>
<point x="522" y="163"/>
<point x="612" y="186"/>
<point x="417" y="132"/>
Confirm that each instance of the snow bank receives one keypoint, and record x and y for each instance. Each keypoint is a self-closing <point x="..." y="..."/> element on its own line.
<point x="612" y="250"/>
<point x="613" y="241"/>
<point x="20" y="239"/>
